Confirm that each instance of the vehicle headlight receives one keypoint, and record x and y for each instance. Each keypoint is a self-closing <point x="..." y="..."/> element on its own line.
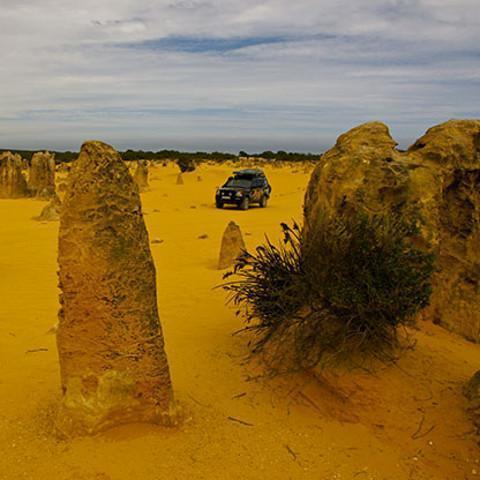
<point x="239" y="194"/>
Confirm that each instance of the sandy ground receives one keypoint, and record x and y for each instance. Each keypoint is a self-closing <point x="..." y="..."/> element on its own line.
<point x="406" y="422"/>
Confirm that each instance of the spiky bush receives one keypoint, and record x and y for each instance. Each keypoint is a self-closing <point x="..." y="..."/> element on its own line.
<point x="186" y="164"/>
<point x="338" y="295"/>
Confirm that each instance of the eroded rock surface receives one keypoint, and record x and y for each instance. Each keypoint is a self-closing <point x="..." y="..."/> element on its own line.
<point x="113" y="364"/>
<point x="232" y="246"/>
<point x="12" y="180"/>
<point x="41" y="181"/>
<point x="437" y="181"/>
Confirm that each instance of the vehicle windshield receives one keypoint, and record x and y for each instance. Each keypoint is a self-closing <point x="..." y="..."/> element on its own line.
<point x="238" y="183"/>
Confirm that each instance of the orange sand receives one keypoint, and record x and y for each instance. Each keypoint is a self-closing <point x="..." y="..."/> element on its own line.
<point x="297" y="427"/>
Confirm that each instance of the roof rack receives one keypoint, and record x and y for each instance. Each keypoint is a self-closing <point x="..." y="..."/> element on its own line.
<point x="249" y="171"/>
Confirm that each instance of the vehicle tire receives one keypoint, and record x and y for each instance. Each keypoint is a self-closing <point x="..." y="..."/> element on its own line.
<point x="263" y="201"/>
<point x="219" y="204"/>
<point x="244" y="204"/>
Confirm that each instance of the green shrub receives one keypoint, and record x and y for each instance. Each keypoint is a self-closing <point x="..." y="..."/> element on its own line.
<point x="186" y="164"/>
<point x="338" y="295"/>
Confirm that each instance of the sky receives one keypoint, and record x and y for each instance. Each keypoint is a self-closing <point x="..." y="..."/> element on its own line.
<point x="228" y="75"/>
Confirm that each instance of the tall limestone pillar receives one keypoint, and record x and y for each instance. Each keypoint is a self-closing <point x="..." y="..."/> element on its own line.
<point x="114" y="369"/>
<point x="12" y="181"/>
<point x="41" y="180"/>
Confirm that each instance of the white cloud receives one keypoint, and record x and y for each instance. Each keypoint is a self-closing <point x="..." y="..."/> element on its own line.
<point x="73" y="69"/>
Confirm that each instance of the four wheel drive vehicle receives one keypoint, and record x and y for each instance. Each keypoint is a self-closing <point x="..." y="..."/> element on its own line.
<point x="243" y="189"/>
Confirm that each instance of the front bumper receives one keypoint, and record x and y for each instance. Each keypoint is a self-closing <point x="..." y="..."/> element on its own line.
<point x="229" y="201"/>
<point x="228" y="198"/>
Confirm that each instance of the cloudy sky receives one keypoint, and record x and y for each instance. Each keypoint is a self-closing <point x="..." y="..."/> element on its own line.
<point x="231" y="75"/>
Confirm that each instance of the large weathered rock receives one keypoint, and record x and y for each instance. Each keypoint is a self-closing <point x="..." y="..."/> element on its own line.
<point x="41" y="181"/>
<point x="12" y="181"/>
<point x="113" y="364"/>
<point x="437" y="180"/>
<point x="141" y="175"/>
<point x="232" y="246"/>
<point x="472" y="392"/>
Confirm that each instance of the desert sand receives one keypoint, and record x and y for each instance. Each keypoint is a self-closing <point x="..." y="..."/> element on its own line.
<point x="405" y="422"/>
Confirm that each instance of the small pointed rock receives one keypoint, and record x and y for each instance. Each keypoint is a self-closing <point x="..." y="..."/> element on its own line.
<point x="232" y="246"/>
<point x="51" y="211"/>
<point x="141" y="175"/>
<point x="179" y="179"/>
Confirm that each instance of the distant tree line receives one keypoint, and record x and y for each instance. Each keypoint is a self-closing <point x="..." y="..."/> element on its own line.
<point x="60" y="157"/>
<point x="198" y="157"/>
<point x="176" y="155"/>
<point x="283" y="156"/>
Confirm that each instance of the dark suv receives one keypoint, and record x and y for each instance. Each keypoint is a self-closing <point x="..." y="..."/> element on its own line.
<point x="244" y="188"/>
